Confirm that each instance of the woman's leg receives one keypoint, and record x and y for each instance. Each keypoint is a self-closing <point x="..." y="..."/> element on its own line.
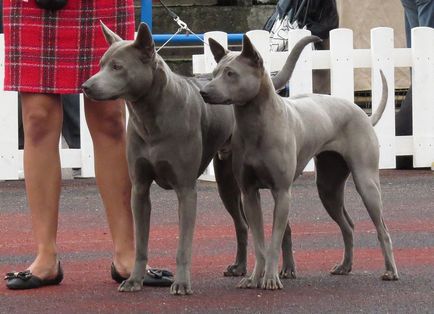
<point x="42" y="121"/>
<point x="106" y="122"/>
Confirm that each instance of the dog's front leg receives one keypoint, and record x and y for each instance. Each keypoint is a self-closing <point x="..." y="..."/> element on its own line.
<point x="141" y="206"/>
<point x="252" y="209"/>
<point x="271" y="279"/>
<point x="187" y="198"/>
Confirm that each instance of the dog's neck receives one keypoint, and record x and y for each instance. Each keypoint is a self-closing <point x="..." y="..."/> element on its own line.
<point x="254" y="114"/>
<point x="162" y="100"/>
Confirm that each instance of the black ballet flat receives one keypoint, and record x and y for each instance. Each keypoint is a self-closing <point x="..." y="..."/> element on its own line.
<point x="154" y="277"/>
<point x="26" y="280"/>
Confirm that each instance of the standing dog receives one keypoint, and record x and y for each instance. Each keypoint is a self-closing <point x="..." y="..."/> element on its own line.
<point x="172" y="136"/>
<point x="273" y="141"/>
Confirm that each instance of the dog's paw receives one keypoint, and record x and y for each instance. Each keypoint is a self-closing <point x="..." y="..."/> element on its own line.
<point x="130" y="286"/>
<point x="271" y="282"/>
<point x="248" y="283"/>
<point x="235" y="270"/>
<point x="181" y="288"/>
<point x="390" y="276"/>
<point x="340" y="269"/>
<point x="287" y="273"/>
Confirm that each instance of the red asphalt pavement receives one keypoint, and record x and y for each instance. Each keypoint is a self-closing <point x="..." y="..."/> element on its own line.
<point x="85" y="252"/>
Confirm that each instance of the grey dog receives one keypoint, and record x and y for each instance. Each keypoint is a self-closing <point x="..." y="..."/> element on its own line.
<point x="273" y="141"/>
<point x="172" y="136"/>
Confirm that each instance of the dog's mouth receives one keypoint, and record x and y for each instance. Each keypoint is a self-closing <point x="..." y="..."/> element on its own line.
<point x="98" y="96"/>
<point x="212" y="100"/>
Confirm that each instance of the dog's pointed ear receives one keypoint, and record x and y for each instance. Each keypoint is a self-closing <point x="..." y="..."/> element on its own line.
<point x="250" y="52"/>
<point x="144" y="41"/>
<point x="110" y="36"/>
<point x="217" y="50"/>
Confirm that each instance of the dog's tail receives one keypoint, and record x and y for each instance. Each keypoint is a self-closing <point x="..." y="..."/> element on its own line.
<point x="284" y="75"/>
<point x="375" y="117"/>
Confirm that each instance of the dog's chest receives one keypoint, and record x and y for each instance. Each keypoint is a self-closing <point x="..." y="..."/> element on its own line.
<point x="255" y="173"/>
<point x="165" y="175"/>
<point x="262" y="168"/>
<point x="161" y="168"/>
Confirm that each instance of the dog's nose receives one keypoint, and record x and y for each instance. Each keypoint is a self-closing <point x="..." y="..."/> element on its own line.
<point x="85" y="87"/>
<point x="203" y="94"/>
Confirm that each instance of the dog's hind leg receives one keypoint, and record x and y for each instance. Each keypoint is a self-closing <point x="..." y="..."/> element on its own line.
<point x="331" y="175"/>
<point x="288" y="263"/>
<point x="231" y="197"/>
<point x="368" y="185"/>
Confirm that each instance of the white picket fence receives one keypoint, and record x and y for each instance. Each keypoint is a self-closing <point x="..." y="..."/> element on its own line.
<point x="342" y="59"/>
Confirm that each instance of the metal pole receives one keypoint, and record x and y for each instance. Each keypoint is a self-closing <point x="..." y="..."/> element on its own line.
<point x="191" y="39"/>
<point x="146" y="13"/>
<point x="146" y="16"/>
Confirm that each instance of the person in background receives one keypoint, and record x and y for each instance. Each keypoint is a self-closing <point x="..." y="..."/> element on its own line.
<point x="416" y="13"/>
<point x="318" y="16"/>
<point x="50" y="52"/>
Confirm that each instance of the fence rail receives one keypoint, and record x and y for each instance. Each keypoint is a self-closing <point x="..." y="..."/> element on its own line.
<point x="341" y="59"/>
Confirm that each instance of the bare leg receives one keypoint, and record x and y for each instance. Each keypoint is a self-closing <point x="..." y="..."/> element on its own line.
<point x="42" y="121"/>
<point x="106" y="121"/>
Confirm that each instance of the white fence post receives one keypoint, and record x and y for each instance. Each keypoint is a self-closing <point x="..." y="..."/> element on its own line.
<point x="86" y="145"/>
<point x="9" y="161"/>
<point x="222" y="39"/>
<point x="423" y="96"/>
<point x="342" y="65"/>
<point x="261" y="41"/>
<point x="301" y="80"/>
<point x="210" y="64"/>
<point x="382" y="59"/>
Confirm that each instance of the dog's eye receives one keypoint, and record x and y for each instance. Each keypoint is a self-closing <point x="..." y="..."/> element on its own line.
<point x="230" y="73"/>
<point x="116" y="66"/>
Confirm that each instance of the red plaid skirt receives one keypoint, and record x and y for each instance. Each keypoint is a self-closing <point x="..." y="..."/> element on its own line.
<point x="55" y="52"/>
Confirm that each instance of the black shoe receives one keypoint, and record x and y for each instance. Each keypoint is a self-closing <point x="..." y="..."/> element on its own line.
<point x="154" y="277"/>
<point x="25" y="280"/>
<point x="115" y="274"/>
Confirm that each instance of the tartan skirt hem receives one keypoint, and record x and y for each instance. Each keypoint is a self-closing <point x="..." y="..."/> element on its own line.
<point x="56" y="51"/>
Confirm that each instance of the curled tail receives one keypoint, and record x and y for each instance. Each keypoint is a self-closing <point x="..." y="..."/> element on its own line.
<point x="284" y="75"/>
<point x="375" y="117"/>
